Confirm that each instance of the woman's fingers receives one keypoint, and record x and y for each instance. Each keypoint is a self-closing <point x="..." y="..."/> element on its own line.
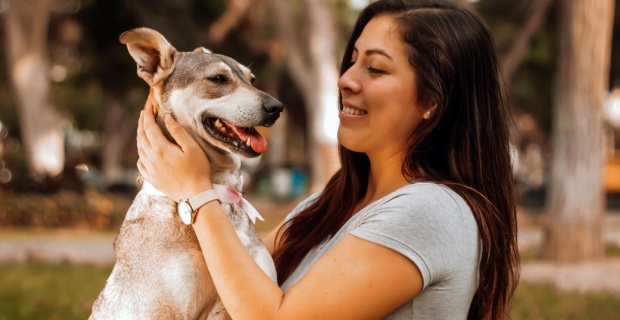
<point x="143" y="172"/>
<point x="179" y="134"/>
<point x="142" y="139"/>
<point x="143" y="144"/>
<point x="178" y="171"/>
<point x="157" y="142"/>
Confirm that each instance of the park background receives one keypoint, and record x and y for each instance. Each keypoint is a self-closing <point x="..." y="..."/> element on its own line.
<point x="70" y="99"/>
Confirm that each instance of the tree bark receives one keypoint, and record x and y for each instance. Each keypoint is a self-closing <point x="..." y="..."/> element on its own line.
<point x="576" y="203"/>
<point x="118" y="132"/>
<point x="25" y="25"/>
<point x="311" y="62"/>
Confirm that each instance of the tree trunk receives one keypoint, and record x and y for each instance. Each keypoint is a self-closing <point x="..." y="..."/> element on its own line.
<point x="576" y="203"/>
<point x="25" y="25"/>
<point x="311" y="62"/>
<point x="118" y="131"/>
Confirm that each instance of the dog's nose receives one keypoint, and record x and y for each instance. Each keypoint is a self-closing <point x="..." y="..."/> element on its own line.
<point x="272" y="105"/>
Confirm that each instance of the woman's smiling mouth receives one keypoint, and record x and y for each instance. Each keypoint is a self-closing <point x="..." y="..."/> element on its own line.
<point x="353" y="111"/>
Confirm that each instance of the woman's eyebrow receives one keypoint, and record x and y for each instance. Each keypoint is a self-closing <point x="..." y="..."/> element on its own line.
<point x="370" y="52"/>
<point x="382" y="52"/>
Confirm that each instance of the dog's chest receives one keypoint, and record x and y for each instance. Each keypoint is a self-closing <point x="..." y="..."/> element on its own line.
<point x="152" y="234"/>
<point x="159" y="269"/>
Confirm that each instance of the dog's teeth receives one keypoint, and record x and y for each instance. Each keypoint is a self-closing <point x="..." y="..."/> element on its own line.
<point x="218" y="123"/>
<point x="236" y="143"/>
<point x="249" y="142"/>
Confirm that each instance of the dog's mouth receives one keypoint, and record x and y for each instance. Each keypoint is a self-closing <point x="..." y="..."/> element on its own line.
<point x="245" y="140"/>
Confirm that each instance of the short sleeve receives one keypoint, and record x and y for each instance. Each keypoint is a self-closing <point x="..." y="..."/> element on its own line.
<point x="302" y="205"/>
<point x="427" y="223"/>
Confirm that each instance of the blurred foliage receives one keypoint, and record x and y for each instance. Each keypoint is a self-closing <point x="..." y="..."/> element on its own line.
<point x="90" y="210"/>
<point x="90" y="68"/>
<point x="532" y="87"/>
<point x="530" y="90"/>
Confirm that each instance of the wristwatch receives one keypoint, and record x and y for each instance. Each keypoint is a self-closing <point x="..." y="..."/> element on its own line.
<point x="187" y="208"/>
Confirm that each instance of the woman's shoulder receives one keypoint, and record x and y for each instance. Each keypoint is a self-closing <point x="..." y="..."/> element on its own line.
<point x="428" y="193"/>
<point x="431" y="206"/>
<point x="427" y="222"/>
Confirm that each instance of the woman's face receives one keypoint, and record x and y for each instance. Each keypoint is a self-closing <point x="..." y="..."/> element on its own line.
<point x="379" y="96"/>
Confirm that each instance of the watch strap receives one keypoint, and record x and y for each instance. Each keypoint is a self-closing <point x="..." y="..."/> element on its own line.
<point x="202" y="198"/>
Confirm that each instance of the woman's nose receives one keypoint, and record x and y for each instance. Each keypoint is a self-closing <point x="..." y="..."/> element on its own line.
<point x="348" y="82"/>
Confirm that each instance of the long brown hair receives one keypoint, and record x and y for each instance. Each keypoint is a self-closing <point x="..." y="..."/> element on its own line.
<point x="464" y="145"/>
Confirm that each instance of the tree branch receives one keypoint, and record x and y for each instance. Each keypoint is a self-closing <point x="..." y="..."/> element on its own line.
<point x="236" y="11"/>
<point x="511" y="61"/>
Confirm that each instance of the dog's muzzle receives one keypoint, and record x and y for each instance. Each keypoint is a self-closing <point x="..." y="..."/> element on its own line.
<point x="245" y="141"/>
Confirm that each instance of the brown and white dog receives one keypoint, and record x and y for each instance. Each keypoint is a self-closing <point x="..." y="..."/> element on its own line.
<point x="160" y="272"/>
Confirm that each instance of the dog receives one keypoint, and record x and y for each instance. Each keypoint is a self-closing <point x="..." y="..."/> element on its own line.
<point x="160" y="272"/>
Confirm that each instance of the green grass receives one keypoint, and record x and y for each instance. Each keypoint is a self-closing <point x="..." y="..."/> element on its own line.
<point x="49" y="291"/>
<point x="63" y="291"/>
<point x="538" y="302"/>
<point x="613" y="251"/>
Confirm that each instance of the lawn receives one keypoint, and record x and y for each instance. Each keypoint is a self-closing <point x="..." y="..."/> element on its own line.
<point x="49" y="291"/>
<point x="538" y="302"/>
<point x="63" y="291"/>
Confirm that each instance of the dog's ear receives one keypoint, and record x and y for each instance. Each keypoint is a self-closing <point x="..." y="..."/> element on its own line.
<point x="154" y="55"/>
<point x="203" y="50"/>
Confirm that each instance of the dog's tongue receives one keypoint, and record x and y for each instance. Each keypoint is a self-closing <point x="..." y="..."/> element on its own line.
<point x="259" y="143"/>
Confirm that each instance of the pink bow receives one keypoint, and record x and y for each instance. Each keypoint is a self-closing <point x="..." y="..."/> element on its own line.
<point x="232" y="196"/>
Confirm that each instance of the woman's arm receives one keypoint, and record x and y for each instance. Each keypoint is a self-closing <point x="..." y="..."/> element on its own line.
<point x="356" y="279"/>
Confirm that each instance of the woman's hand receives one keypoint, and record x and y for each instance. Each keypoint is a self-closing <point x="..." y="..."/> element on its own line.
<point x="179" y="171"/>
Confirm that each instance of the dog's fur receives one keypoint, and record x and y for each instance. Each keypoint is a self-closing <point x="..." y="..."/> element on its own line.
<point x="160" y="272"/>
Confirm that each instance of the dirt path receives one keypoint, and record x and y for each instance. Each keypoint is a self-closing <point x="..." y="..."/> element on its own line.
<point x="592" y="276"/>
<point x="600" y="276"/>
<point x="71" y="247"/>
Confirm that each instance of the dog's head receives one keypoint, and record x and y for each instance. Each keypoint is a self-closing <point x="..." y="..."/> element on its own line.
<point x="211" y="95"/>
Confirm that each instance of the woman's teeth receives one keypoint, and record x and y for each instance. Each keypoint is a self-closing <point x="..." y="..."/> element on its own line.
<point x="352" y="111"/>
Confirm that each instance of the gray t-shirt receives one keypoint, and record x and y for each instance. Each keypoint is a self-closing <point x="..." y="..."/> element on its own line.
<point x="432" y="226"/>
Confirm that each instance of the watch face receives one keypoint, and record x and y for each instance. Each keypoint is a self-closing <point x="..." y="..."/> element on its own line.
<point x="185" y="212"/>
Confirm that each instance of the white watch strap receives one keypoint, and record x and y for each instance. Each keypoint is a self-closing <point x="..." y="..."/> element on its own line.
<point x="203" y="198"/>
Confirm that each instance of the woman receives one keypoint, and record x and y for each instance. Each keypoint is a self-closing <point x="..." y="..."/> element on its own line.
<point x="419" y="223"/>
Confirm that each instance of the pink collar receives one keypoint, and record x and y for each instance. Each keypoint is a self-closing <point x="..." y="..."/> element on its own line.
<point x="231" y="196"/>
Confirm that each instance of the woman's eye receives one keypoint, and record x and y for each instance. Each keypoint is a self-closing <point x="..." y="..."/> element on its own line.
<point x="219" y="79"/>
<point x="374" y="70"/>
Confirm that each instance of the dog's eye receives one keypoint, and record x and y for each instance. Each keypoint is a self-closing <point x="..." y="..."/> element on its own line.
<point x="219" y="79"/>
